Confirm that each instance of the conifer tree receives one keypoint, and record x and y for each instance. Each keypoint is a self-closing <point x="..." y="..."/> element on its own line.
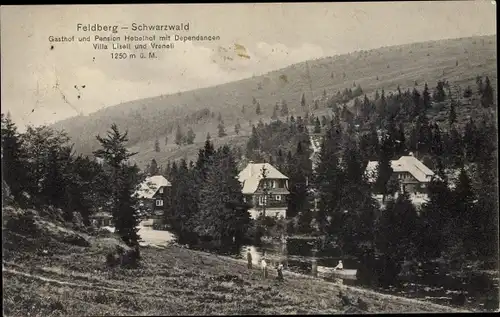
<point x="317" y="126"/>
<point x="275" y="112"/>
<point x="190" y="136"/>
<point x="222" y="130"/>
<point x="157" y="145"/>
<point x="426" y="97"/>
<point x="439" y="94"/>
<point x="384" y="169"/>
<point x="222" y="212"/>
<point x="14" y="170"/>
<point x="237" y="128"/>
<point x="179" y="136"/>
<point x="114" y="153"/>
<point x="299" y="170"/>
<point x="153" y="168"/>
<point x="284" y="108"/>
<point x="303" y="101"/>
<point x="327" y="181"/>
<point x="487" y="94"/>
<point x="396" y="236"/>
<point x="258" y="111"/>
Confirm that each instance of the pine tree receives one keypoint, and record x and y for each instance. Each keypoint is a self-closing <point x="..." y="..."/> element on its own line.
<point x="417" y="102"/>
<point x="436" y="142"/>
<point x="436" y="214"/>
<point x="179" y="136"/>
<point x="384" y="169"/>
<point x="258" y="111"/>
<point x="183" y="218"/>
<point x="222" y="212"/>
<point x="426" y="97"/>
<point x="125" y="215"/>
<point x="253" y="143"/>
<point x="157" y="145"/>
<point x="452" y="116"/>
<point x="190" y="136"/>
<point x="166" y="140"/>
<point x="327" y="181"/>
<point x="237" y="128"/>
<point x="153" y="168"/>
<point x="439" y="94"/>
<point x="115" y="154"/>
<point x="465" y="210"/>
<point x="13" y="167"/>
<point x="222" y="130"/>
<point x="299" y="170"/>
<point x="284" y="108"/>
<point x="470" y="140"/>
<point x="480" y="85"/>
<point x="487" y="94"/>
<point x="400" y="147"/>
<point x="397" y="236"/>
<point x="303" y="101"/>
<point x="275" y="112"/>
<point x="316" y="104"/>
<point x="317" y="126"/>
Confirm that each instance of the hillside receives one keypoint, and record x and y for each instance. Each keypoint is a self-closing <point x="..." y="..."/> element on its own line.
<point x="458" y="61"/>
<point x="52" y="268"/>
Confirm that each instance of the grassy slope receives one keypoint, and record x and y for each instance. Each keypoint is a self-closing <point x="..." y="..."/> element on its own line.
<point x="173" y="281"/>
<point x="397" y="65"/>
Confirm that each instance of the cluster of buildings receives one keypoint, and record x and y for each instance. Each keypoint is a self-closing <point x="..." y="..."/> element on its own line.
<point x="267" y="195"/>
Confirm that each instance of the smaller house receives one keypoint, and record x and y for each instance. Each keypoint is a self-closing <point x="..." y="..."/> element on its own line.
<point x="102" y="219"/>
<point x="412" y="174"/>
<point x="153" y="194"/>
<point x="265" y="196"/>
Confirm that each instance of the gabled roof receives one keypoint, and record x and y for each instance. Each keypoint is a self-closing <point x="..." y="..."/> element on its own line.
<point x="150" y="186"/>
<point x="251" y="175"/>
<point x="408" y="164"/>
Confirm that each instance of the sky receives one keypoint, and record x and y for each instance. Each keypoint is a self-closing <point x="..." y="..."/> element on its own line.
<point x="41" y="85"/>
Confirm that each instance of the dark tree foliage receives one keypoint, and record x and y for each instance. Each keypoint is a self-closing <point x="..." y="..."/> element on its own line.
<point x="190" y="136"/>
<point x="14" y="172"/>
<point x="121" y="181"/>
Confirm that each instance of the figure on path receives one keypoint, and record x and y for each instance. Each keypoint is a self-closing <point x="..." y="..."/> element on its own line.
<point x="280" y="272"/>
<point x="249" y="259"/>
<point x="263" y="265"/>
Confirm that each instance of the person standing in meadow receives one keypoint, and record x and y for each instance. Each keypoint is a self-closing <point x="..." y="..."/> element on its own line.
<point x="249" y="259"/>
<point x="280" y="272"/>
<point x="263" y="265"/>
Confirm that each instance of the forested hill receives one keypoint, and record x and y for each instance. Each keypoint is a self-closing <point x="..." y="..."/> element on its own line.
<point x="244" y="102"/>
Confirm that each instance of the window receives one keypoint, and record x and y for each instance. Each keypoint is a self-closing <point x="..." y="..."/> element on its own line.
<point x="161" y="190"/>
<point x="261" y="200"/>
<point x="277" y="197"/>
<point x="274" y="184"/>
<point x="159" y="202"/>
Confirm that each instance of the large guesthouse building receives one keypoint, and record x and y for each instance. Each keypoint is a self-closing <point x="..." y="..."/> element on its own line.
<point x="267" y="195"/>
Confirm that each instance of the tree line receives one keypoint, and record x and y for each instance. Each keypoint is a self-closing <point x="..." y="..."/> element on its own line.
<point x="41" y="170"/>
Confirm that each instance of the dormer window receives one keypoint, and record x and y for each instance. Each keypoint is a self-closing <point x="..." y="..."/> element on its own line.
<point x="161" y="190"/>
